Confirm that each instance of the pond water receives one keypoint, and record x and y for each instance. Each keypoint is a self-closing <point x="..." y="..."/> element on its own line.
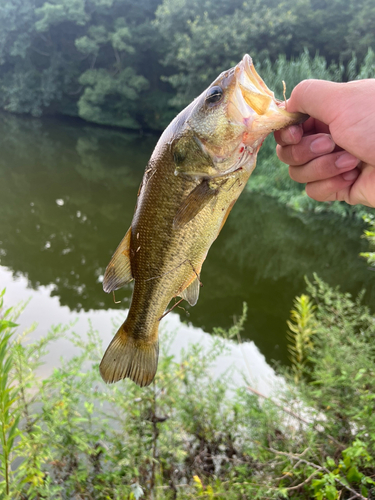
<point x="68" y="192"/>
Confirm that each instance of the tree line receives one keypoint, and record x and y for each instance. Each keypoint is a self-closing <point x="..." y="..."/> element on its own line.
<point x="135" y="64"/>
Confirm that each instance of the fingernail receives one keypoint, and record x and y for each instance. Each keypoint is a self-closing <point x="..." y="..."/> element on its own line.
<point x="290" y="135"/>
<point x="294" y="132"/>
<point x="346" y="160"/>
<point x="322" y="145"/>
<point x="351" y="175"/>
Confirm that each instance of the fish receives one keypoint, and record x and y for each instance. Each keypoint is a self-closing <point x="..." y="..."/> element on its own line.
<point x="198" y="169"/>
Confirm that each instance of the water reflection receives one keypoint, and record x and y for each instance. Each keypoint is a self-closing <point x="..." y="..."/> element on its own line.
<point x="68" y="193"/>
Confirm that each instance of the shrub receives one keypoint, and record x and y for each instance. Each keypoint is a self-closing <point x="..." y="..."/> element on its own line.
<point x="189" y="434"/>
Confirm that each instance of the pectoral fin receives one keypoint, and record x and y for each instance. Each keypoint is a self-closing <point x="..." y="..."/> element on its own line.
<point x="191" y="292"/>
<point x="118" y="271"/>
<point x="193" y="204"/>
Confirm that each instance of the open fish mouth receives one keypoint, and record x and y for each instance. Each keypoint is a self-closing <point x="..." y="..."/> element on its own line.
<point x="254" y="104"/>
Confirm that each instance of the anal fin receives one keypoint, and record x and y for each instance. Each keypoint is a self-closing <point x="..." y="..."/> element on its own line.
<point x="118" y="271"/>
<point x="191" y="292"/>
<point x="193" y="204"/>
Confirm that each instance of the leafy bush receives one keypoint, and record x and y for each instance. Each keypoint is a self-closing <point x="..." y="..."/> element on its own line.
<point x="134" y="64"/>
<point x="191" y="435"/>
<point x="369" y="234"/>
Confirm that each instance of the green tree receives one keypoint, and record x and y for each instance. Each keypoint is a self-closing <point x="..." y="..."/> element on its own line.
<point x="361" y="29"/>
<point x="92" y="58"/>
<point x="135" y="64"/>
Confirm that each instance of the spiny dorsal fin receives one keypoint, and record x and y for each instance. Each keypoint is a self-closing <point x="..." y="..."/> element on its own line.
<point x="193" y="204"/>
<point x="191" y="292"/>
<point x="118" y="271"/>
<point x="128" y="357"/>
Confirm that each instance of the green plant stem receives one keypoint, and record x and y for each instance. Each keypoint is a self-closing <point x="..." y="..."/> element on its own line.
<point x="155" y="434"/>
<point x="298" y="417"/>
<point x="6" y="464"/>
<point x="319" y="468"/>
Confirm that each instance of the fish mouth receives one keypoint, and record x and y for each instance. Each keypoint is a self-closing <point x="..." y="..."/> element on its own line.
<point x="255" y="105"/>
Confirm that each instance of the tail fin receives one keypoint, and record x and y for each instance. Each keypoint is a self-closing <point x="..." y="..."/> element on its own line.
<point x="130" y="357"/>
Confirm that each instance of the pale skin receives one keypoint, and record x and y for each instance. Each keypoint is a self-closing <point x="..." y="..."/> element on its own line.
<point x="333" y="152"/>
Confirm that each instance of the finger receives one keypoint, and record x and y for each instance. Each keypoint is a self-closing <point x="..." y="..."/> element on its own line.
<point x="362" y="192"/>
<point x="306" y="150"/>
<point x="289" y="135"/>
<point x="345" y="107"/>
<point x="332" y="189"/>
<point x="312" y="126"/>
<point x="294" y="133"/>
<point x="324" y="167"/>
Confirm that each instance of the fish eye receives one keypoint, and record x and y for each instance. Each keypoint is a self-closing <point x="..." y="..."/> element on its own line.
<point x="214" y="95"/>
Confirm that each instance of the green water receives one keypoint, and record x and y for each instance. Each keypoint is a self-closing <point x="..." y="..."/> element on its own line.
<point x="67" y="195"/>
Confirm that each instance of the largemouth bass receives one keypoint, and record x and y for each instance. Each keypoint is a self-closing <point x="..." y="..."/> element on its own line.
<point x="197" y="171"/>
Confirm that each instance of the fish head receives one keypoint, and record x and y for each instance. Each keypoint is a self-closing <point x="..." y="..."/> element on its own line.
<point x="233" y="116"/>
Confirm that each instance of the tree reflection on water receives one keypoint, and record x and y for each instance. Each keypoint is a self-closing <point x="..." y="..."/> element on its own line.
<point x="67" y="198"/>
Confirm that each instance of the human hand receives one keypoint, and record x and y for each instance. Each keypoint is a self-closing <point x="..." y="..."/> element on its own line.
<point x="333" y="152"/>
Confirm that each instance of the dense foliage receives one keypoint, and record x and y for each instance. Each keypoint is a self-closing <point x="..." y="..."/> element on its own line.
<point x="369" y="234"/>
<point x="191" y="435"/>
<point x="134" y="64"/>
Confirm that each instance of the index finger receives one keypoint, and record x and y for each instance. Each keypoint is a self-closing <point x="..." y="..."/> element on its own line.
<point x="294" y="133"/>
<point x="289" y="135"/>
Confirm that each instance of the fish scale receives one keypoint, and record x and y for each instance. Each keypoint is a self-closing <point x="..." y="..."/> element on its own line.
<point x="196" y="173"/>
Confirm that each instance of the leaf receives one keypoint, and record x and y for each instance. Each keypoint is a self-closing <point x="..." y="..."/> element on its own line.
<point x="364" y="491"/>
<point x="353" y="475"/>
<point x="331" y="492"/>
<point x="137" y="491"/>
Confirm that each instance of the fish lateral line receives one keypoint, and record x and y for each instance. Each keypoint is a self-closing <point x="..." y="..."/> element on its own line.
<point x="166" y="273"/>
<point x="174" y="269"/>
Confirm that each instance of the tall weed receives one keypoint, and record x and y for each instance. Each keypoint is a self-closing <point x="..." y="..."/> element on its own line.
<point x="191" y="434"/>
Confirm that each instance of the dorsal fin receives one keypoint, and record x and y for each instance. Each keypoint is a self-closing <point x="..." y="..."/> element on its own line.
<point x="193" y="204"/>
<point x="118" y="271"/>
<point x="191" y="292"/>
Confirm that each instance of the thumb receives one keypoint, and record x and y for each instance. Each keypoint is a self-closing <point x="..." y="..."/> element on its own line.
<point x="318" y="98"/>
<point x="347" y="108"/>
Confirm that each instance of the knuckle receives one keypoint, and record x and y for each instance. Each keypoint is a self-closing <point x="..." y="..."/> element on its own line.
<point x="280" y="153"/>
<point x="314" y="193"/>
<point x="309" y="191"/>
<point x="301" y="87"/>
<point x="297" y="154"/>
<point x="294" y="174"/>
<point x="285" y="135"/>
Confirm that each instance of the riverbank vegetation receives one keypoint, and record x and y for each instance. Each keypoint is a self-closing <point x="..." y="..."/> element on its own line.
<point x="191" y="434"/>
<point x="136" y="64"/>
